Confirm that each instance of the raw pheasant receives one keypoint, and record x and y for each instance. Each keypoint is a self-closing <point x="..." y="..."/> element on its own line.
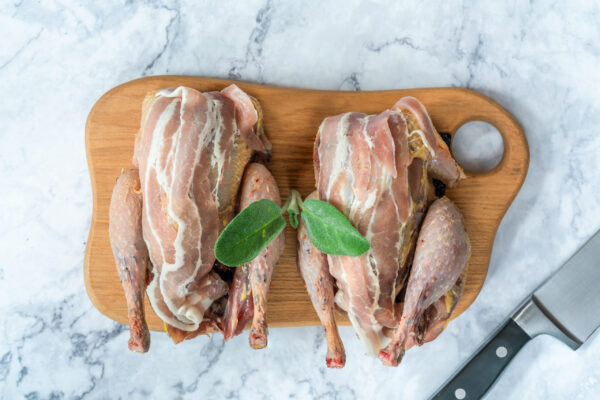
<point x="191" y="150"/>
<point x="378" y="170"/>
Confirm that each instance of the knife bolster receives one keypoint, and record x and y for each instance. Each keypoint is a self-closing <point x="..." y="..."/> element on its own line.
<point x="535" y="322"/>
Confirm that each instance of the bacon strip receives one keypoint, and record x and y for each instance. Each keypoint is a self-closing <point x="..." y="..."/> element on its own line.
<point x="441" y="164"/>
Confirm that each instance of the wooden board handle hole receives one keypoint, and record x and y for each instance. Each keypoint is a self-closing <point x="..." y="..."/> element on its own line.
<point x="477" y="146"/>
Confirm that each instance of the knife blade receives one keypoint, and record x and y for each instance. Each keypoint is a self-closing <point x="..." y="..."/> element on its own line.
<point x="564" y="306"/>
<point x="571" y="299"/>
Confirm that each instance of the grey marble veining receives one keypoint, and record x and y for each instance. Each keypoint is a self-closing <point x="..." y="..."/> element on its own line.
<point x="539" y="59"/>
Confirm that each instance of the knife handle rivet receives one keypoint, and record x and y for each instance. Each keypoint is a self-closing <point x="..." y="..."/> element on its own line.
<point x="460" y="393"/>
<point x="501" y="352"/>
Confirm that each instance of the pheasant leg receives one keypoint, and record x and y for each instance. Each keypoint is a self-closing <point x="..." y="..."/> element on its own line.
<point x="131" y="254"/>
<point x="240" y="306"/>
<point x="442" y="252"/>
<point x="258" y="183"/>
<point x="314" y="269"/>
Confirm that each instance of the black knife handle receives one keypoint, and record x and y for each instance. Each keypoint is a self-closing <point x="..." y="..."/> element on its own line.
<point x="480" y="372"/>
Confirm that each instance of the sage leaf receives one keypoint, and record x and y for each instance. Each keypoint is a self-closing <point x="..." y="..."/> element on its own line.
<point x="249" y="233"/>
<point x="330" y="231"/>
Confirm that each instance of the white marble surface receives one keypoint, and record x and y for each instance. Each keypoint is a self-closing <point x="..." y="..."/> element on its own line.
<point x="539" y="59"/>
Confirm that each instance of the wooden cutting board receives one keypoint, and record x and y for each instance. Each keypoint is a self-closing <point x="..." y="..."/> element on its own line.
<point x="291" y="119"/>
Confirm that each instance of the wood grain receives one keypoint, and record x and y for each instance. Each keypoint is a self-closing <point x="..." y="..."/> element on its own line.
<point x="291" y="119"/>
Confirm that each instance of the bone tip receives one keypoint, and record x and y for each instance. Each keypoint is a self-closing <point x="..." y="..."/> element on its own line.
<point x="139" y="344"/>
<point x="258" y="340"/>
<point x="388" y="358"/>
<point x="336" y="361"/>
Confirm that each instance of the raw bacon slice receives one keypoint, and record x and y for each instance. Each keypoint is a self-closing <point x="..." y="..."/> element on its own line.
<point x="440" y="163"/>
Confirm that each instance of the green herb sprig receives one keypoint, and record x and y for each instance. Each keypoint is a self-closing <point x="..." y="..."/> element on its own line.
<point x="262" y="221"/>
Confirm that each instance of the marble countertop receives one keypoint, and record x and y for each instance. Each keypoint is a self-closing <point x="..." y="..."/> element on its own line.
<point x="539" y="59"/>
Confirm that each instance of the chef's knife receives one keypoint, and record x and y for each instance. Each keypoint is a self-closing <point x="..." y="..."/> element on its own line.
<point x="566" y="306"/>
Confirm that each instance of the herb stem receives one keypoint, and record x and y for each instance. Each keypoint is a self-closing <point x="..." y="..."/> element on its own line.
<point x="295" y="200"/>
<point x="292" y="207"/>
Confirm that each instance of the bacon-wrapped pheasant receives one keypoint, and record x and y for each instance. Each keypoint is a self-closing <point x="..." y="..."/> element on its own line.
<point x="377" y="170"/>
<point x="191" y="151"/>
